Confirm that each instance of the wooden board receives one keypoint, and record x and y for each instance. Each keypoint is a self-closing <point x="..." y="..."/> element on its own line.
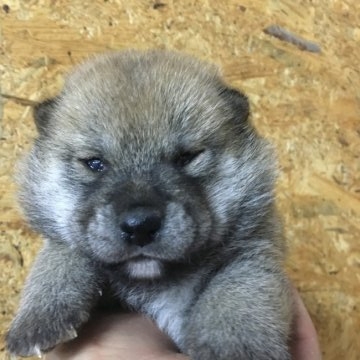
<point x="307" y="103"/>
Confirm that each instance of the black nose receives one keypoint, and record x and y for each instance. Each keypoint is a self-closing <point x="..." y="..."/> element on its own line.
<point x="140" y="225"/>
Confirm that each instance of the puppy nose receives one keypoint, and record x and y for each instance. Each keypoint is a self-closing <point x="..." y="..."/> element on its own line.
<point x="140" y="225"/>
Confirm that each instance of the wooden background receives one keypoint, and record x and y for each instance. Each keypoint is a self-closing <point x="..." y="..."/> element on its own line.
<point x="308" y="104"/>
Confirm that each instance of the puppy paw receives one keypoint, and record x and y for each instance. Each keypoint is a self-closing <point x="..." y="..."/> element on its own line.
<point x="33" y="333"/>
<point x="217" y="344"/>
<point x="221" y="352"/>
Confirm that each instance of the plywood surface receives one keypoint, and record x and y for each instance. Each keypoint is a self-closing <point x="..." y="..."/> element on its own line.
<point x="307" y="103"/>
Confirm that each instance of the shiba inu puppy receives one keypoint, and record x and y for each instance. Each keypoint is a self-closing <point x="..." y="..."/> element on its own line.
<point x="147" y="179"/>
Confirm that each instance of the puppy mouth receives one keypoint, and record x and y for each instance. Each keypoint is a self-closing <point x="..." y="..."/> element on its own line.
<point x="143" y="267"/>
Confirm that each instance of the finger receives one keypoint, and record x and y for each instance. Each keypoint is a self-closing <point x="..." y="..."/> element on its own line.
<point x="117" y="336"/>
<point x="305" y="343"/>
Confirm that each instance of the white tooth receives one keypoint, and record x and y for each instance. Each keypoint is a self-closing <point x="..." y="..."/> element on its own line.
<point x="37" y="352"/>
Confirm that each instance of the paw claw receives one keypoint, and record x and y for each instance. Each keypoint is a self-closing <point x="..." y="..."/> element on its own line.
<point x="71" y="334"/>
<point x="11" y="357"/>
<point x="38" y="352"/>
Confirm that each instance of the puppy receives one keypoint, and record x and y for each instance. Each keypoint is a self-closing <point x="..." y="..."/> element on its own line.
<point x="148" y="181"/>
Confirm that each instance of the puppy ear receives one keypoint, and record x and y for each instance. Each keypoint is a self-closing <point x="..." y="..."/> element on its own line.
<point x="42" y="114"/>
<point x="238" y="102"/>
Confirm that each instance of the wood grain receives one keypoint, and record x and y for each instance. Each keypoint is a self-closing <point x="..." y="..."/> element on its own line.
<point x="308" y="104"/>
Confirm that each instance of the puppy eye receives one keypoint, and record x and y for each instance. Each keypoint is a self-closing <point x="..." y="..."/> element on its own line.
<point x="95" y="164"/>
<point x="186" y="157"/>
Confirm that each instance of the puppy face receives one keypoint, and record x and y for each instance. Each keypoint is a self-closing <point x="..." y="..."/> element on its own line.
<point x="143" y="160"/>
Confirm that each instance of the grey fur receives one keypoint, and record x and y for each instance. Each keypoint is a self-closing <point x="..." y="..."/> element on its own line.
<point x="175" y="139"/>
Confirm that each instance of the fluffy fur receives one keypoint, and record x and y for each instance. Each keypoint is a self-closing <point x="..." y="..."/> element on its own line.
<point x="157" y="139"/>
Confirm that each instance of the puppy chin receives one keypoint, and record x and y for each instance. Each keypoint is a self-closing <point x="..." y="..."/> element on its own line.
<point x="144" y="269"/>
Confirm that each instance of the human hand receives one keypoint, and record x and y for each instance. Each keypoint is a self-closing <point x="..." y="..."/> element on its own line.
<point x="304" y="345"/>
<point x="120" y="337"/>
<point x="133" y="337"/>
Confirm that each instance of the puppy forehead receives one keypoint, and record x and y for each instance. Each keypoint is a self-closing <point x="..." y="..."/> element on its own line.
<point x="149" y="94"/>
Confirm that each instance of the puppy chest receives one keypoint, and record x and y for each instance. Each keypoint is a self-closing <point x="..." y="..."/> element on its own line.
<point x="168" y="308"/>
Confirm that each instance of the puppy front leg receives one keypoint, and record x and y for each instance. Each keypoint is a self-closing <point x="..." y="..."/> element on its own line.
<point x="244" y="313"/>
<point x="60" y="291"/>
